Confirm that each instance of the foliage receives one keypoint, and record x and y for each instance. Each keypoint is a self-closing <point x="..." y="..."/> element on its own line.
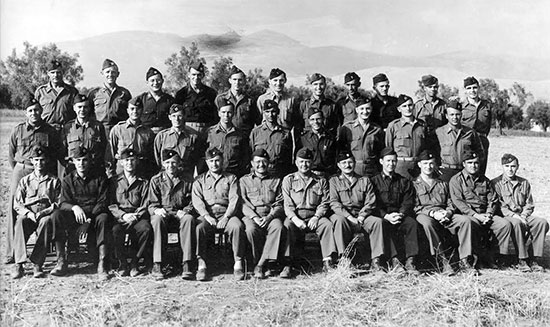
<point x="539" y="112"/>
<point x="256" y="83"/>
<point x="178" y="66"/>
<point x="219" y="78"/>
<point x="445" y="91"/>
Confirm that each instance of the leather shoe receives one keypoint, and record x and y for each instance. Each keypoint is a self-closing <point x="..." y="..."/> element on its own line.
<point x="157" y="271"/>
<point x="535" y="267"/>
<point x="409" y="266"/>
<point x="238" y="274"/>
<point x="259" y="272"/>
<point x="201" y="275"/>
<point x="375" y="266"/>
<point x="327" y="265"/>
<point x="523" y="266"/>
<point x="397" y="266"/>
<point x="466" y="268"/>
<point x="286" y="272"/>
<point x="186" y="273"/>
<point x="37" y="271"/>
<point x="18" y="271"/>
<point x="9" y="260"/>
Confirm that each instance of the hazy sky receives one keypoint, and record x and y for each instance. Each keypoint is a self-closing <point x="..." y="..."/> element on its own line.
<point x="399" y="27"/>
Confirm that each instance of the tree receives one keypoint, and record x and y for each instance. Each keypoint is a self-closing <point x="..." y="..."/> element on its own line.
<point x="539" y="112"/>
<point x="518" y="95"/>
<point x="178" y="66"/>
<point x="256" y="83"/>
<point x="445" y="91"/>
<point x="23" y="74"/>
<point x="219" y="78"/>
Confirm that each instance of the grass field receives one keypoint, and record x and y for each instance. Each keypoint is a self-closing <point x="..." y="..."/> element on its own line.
<point x="339" y="298"/>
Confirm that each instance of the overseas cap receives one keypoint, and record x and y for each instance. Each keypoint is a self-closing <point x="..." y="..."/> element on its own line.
<point x="270" y="104"/>
<point x="428" y="80"/>
<point x="508" y="158"/>
<point x="169" y="154"/>
<point x="212" y="152"/>
<point x="39" y="152"/>
<point x="351" y="76"/>
<point x="455" y="104"/>
<point x="79" y="152"/>
<point x="426" y="155"/>
<point x="470" y="81"/>
<point x="197" y="65"/>
<point x="54" y="65"/>
<point x="175" y="108"/>
<point x="361" y="101"/>
<point x="236" y="70"/>
<point x="305" y="153"/>
<point x="379" y="78"/>
<point x="136" y="101"/>
<point x="128" y="153"/>
<point x="402" y="99"/>
<point x="313" y="111"/>
<point x="469" y="155"/>
<point x="316" y="77"/>
<point x="262" y="153"/>
<point x="343" y="155"/>
<point x="31" y="102"/>
<point x="152" y="72"/>
<point x="79" y="98"/>
<point x="387" y="152"/>
<point x="276" y="72"/>
<point x="109" y="63"/>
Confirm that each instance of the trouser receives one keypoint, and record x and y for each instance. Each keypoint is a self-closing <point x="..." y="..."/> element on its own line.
<point x="267" y="242"/>
<point x="403" y="234"/>
<point x="407" y="169"/>
<point x="372" y="225"/>
<point x="447" y="173"/>
<point x="99" y="229"/>
<point x="235" y="229"/>
<point x="141" y="235"/>
<point x="24" y="227"/>
<point x="324" y="230"/>
<point x="187" y="227"/>
<point x="501" y="229"/>
<point x="485" y="143"/>
<point x="536" y="227"/>
<point x="19" y="171"/>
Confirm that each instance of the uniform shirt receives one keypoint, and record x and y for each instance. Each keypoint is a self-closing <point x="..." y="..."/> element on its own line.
<point x="202" y="107"/>
<point x="138" y="137"/>
<point x="58" y="106"/>
<point x="478" y="118"/>
<point x="246" y="113"/>
<point x="346" y="109"/>
<point x="89" y="193"/>
<point x="170" y="193"/>
<point x="405" y="138"/>
<point x="129" y="197"/>
<point x="90" y="134"/>
<point x="384" y="113"/>
<point x="432" y="113"/>
<point x="110" y="107"/>
<point x="36" y="194"/>
<point x="514" y="195"/>
<point x="278" y="144"/>
<point x="155" y="112"/>
<point x="234" y="145"/>
<point x="472" y="194"/>
<point x="352" y="198"/>
<point x="25" y="137"/>
<point x="289" y="114"/>
<point x="327" y="106"/>
<point x="187" y="143"/>
<point x="393" y="194"/>
<point x="221" y="190"/>
<point x="453" y="142"/>
<point x="432" y="198"/>
<point x="308" y="192"/>
<point x="365" y="144"/>
<point x="324" y="150"/>
<point x="261" y="196"/>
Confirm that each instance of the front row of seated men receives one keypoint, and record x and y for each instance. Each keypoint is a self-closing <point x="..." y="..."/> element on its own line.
<point x="269" y="215"/>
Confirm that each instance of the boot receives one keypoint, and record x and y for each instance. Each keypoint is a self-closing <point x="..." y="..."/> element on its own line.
<point x="410" y="267"/>
<point x="375" y="266"/>
<point x="397" y="266"/>
<point x="101" y="271"/>
<point x="535" y="266"/>
<point x="259" y="272"/>
<point x="466" y="268"/>
<point x="186" y="273"/>
<point x="61" y="268"/>
<point x="523" y="266"/>
<point x="37" y="271"/>
<point x="124" y="268"/>
<point x="157" y="271"/>
<point x="134" y="270"/>
<point x="18" y="271"/>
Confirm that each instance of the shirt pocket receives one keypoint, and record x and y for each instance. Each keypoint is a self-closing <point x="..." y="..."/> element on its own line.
<point x="403" y="141"/>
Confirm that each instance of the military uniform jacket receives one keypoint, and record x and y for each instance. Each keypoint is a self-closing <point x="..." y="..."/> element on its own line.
<point x="246" y="113"/>
<point x="330" y="113"/>
<point x="26" y="136"/>
<point x="346" y="109"/>
<point x="364" y="144"/>
<point x="383" y="113"/>
<point x="170" y="193"/>
<point x="210" y="191"/>
<point x="261" y="196"/>
<point x="129" y="197"/>
<point x="289" y="111"/>
<point x="473" y="194"/>
<point x="90" y="193"/>
<point x="58" y="106"/>
<point x="324" y="150"/>
<point x="155" y="112"/>
<point x="201" y="106"/>
<point x="234" y="145"/>
<point x="110" y="107"/>
<point x="432" y="113"/>
<point x="352" y="198"/>
<point x="393" y="194"/>
<point x="305" y="193"/>
<point x="37" y="194"/>
<point x="187" y="143"/>
<point x="278" y="144"/>
<point x="478" y="118"/>
<point x="432" y="198"/>
<point x="138" y="137"/>
<point x="514" y="196"/>
<point x="454" y="142"/>
<point x="90" y="135"/>
<point x="405" y="138"/>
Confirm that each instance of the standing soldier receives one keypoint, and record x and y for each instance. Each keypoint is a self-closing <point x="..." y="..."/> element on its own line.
<point x="517" y="206"/>
<point x="318" y="85"/>
<point x="274" y="139"/>
<point x="407" y="137"/>
<point x="363" y="138"/>
<point x="431" y="109"/>
<point x="347" y="104"/>
<point x="198" y="100"/>
<point x="289" y="115"/>
<point x="384" y="106"/>
<point x="246" y="113"/>
<point x="36" y="197"/>
<point x="156" y="102"/>
<point x="454" y="140"/>
<point x="477" y="114"/>
<point x="263" y="208"/>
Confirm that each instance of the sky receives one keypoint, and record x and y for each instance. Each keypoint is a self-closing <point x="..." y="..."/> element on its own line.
<point x="398" y="27"/>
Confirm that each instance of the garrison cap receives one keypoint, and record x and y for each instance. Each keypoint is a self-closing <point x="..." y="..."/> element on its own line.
<point x="387" y="151"/>
<point x="361" y="101"/>
<point x="379" y="78"/>
<point x="425" y="155"/>
<point x="508" y="158"/>
<point x="270" y="104"/>
<point x="223" y="102"/>
<point x="469" y="155"/>
<point x="169" y="154"/>
<point x="108" y="63"/>
<point x="39" y="152"/>
<point x="260" y="152"/>
<point x="402" y="99"/>
<point x="455" y="104"/>
<point x="276" y="72"/>
<point x="212" y="152"/>
<point x="79" y="152"/>
<point x="343" y="155"/>
<point x="128" y="153"/>
<point x="197" y="65"/>
<point x="316" y="77"/>
<point x="313" y="111"/>
<point x="470" y="81"/>
<point x="351" y="76"/>
<point x="80" y="98"/>
<point x="428" y="80"/>
<point x="152" y="72"/>
<point x="305" y="153"/>
<point x="235" y="70"/>
<point x="175" y="108"/>
<point x="54" y="65"/>
<point x="31" y="102"/>
<point x="136" y="101"/>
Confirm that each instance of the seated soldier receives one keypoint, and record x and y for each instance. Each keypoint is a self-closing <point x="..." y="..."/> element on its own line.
<point x="36" y="197"/>
<point x="170" y="202"/>
<point x="394" y="203"/>
<point x="263" y="211"/>
<point x="435" y="213"/>
<point x="83" y="202"/>
<point x="129" y="209"/>
<point x="306" y="202"/>
<point x="516" y="205"/>
<point x="353" y="201"/>
<point x="216" y="200"/>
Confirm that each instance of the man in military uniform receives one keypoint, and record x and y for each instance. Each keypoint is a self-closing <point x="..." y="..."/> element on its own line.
<point x="455" y="139"/>
<point x="198" y="100"/>
<point x="183" y="139"/>
<point x="84" y="201"/>
<point x="318" y="85"/>
<point x="274" y="139"/>
<point x="246" y="113"/>
<point x="263" y="213"/>
<point x="407" y="137"/>
<point x="353" y="202"/>
<point x="306" y="203"/>
<point x="477" y="114"/>
<point x="56" y="97"/>
<point x="129" y="209"/>
<point x="289" y="114"/>
<point x="384" y="106"/>
<point x="347" y="104"/>
<point x="156" y="102"/>
<point x="216" y="200"/>
<point x="321" y="142"/>
<point x="363" y="138"/>
<point x="517" y="206"/>
<point x="431" y="109"/>
<point x="395" y="203"/>
<point x="170" y="203"/>
<point x="36" y="197"/>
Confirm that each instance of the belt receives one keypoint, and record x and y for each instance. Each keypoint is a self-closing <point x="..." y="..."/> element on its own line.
<point x="367" y="161"/>
<point x="408" y="159"/>
<point x="195" y="124"/>
<point x="451" y="166"/>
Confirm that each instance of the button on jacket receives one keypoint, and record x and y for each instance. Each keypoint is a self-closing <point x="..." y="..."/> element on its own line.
<point x="129" y="197"/>
<point x="514" y="195"/>
<point x="352" y="198"/>
<point x="221" y="191"/>
<point x="235" y="147"/>
<point x="90" y="193"/>
<point x="324" y="150"/>
<point x="90" y="134"/>
<point x="393" y="194"/>
<point x="407" y="139"/>
<point x="36" y="194"/>
<point x="432" y="113"/>
<point x="327" y="106"/>
<point x="477" y="117"/>
<point x="473" y="195"/>
<point x="246" y="113"/>
<point x="170" y="193"/>
<point x="201" y="106"/>
<point x="58" y="106"/>
<point x="430" y="198"/>
<point x="261" y="196"/>
<point x="305" y="193"/>
<point x="26" y="136"/>
<point x="454" y="142"/>
<point x="278" y="144"/>
<point x="155" y="112"/>
<point x="289" y="111"/>
<point x="110" y="107"/>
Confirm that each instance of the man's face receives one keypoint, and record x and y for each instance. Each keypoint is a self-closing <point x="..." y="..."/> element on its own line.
<point x="427" y="167"/>
<point x="110" y="74"/>
<point x="33" y="114"/>
<point x="364" y="111"/>
<point x="472" y="91"/>
<point x="347" y="166"/>
<point x="406" y="109"/>
<point x="431" y="90"/>
<point x="129" y="164"/>
<point x="215" y="164"/>
<point x="177" y="119"/>
<point x="454" y="116"/>
<point x="226" y="114"/>
<point x="270" y="115"/>
<point x="353" y="86"/>
<point x="39" y="164"/>
<point x="388" y="163"/>
<point x="55" y="76"/>
<point x="471" y="166"/>
<point x="237" y="82"/>
<point x="171" y="165"/>
<point x="81" y="164"/>
<point x="510" y="169"/>
<point x="303" y="165"/>
<point x="316" y="122"/>
<point x="155" y="83"/>
<point x="382" y="88"/>
<point x="318" y="87"/>
<point x="82" y="110"/>
<point x="195" y="77"/>
<point x="134" y="112"/>
<point x="277" y="84"/>
<point x="259" y="164"/>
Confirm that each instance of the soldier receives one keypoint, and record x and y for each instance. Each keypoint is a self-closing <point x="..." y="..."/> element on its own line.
<point x="454" y="140"/>
<point x="477" y="114"/>
<point x="289" y="115"/>
<point x="318" y="85"/>
<point x="431" y="109"/>
<point x="198" y="100"/>
<point x="384" y="106"/>
<point x="84" y="201"/>
<point x="263" y="209"/>
<point x="274" y="139"/>
<point x="133" y="134"/>
<point x="183" y="139"/>
<point x="347" y="104"/>
<point x="306" y="203"/>
<point x="232" y="141"/>
<point x="56" y="97"/>
<point x="321" y="142"/>
<point x="129" y="209"/>
<point x="25" y="136"/>
<point x="36" y="197"/>
<point x="169" y="204"/>
<point x="353" y="202"/>
<point x="436" y="214"/>
<point x="407" y="137"/>
<point x="216" y="200"/>
<point x="246" y="113"/>
<point x="474" y="196"/>
<point x="363" y="138"/>
<point x="395" y="203"/>
<point x="156" y="102"/>
<point x="516" y="206"/>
